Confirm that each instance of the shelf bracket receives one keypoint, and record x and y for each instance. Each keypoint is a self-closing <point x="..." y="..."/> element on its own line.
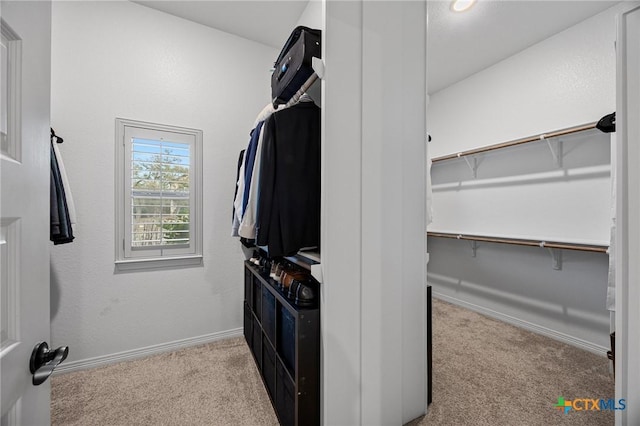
<point x="474" y="247"/>
<point x="474" y="168"/>
<point x="316" y="272"/>
<point x="556" y="153"/>
<point x="556" y="257"/>
<point x="318" y="66"/>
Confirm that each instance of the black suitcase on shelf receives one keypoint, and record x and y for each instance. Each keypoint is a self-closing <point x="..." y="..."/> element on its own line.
<point x="293" y="66"/>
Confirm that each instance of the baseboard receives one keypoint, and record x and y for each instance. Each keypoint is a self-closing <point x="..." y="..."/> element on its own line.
<point x="85" y="364"/>
<point x="556" y="335"/>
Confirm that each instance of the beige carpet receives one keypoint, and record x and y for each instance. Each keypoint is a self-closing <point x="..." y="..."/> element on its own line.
<point x="214" y="384"/>
<point x="490" y="373"/>
<point x="485" y="373"/>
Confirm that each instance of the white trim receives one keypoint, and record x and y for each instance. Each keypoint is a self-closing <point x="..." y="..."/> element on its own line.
<point x="160" y="263"/>
<point x="556" y="335"/>
<point x="627" y="210"/>
<point x="85" y="364"/>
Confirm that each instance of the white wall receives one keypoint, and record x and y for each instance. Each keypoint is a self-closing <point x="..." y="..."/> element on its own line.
<point x="120" y="59"/>
<point x="312" y="15"/>
<point x="373" y="213"/>
<point x="341" y="244"/>
<point x="566" y="80"/>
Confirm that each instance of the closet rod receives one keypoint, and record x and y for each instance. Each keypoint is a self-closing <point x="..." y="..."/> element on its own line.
<point x="521" y="242"/>
<point x="294" y="99"/>
<point x="540" y="137"/>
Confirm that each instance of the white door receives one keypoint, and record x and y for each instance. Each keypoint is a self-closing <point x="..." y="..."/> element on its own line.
<point x="24" y="207"/>
<point x="628" y="221"/>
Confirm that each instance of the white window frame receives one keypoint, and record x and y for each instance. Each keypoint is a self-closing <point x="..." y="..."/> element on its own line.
<point x="128" y="258"/>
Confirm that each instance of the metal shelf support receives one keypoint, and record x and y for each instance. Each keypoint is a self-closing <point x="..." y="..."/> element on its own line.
<point x="556" y="153"/>
<point x="474" y="168"/>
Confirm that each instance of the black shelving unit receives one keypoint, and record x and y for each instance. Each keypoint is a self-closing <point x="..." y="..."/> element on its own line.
<point x="285" y="342"/>
<point x="429" y="348"/>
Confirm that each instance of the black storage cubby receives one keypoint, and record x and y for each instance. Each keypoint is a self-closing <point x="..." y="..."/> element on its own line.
<point x="257" y="297"/>
<point x="247" y="288"/>
<point x="287" y="338"/>
<point x="285" y="396"/>
<point x="269" y="366"/>
<point x="285" y="342"/>
<point x="256" y="342"/>
<point x="248" y="324"/>
<point x="269" y="315"/>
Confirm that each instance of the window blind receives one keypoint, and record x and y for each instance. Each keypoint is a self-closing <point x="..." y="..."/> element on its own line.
<point x="160" y="193"/>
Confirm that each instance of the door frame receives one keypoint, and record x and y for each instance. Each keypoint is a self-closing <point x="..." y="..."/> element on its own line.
<point x="627" y="246"/>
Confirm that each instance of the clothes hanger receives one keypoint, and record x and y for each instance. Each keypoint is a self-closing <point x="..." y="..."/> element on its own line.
<point x="55" y="137"/>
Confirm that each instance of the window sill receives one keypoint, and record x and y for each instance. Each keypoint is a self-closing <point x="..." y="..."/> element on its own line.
<point x="132" y="265"/>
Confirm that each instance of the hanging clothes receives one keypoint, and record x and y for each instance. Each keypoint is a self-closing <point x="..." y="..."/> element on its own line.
<point x="248" y="223"/>
<point x="65" y="184"/>
<point x="61" y="230"/>
<point x="288" y="216"/>
<point x="237" y="204"/>
<point x="240" y="159"/>
<point x="249" y="165"/>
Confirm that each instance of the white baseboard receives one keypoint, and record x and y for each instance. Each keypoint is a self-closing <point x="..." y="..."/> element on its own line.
<point x="85" y="364"/>
<point x="556" y="335"/>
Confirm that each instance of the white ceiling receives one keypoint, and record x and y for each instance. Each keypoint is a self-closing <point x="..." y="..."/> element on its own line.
<point x="266" y="21"/>
<point x="459" y="44"/>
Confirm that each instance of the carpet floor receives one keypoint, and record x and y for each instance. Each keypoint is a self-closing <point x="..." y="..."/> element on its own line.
<point x="485" y="373"/>
<point x="213" y="384"/>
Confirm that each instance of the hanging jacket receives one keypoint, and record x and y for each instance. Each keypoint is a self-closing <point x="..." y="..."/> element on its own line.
<point x="288" y="216"/>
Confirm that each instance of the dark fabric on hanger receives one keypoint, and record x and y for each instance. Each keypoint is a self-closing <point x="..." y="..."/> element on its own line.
<point x="233" y="210"/>
<point x="288" y="216"/>
<point x="54" y="215"/>
<point x="60" y="231"/>
<point x="265" y="185"/>
<point x="249" y="163"/>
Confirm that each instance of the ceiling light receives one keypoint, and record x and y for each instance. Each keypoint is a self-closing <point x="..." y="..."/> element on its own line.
<point x="462" y="5"/>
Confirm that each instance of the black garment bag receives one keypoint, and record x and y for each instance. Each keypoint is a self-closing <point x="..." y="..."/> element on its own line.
<point x="293" y="66"/>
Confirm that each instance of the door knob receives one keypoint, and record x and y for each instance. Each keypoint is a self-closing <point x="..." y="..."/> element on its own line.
<point x="44" y="361"/>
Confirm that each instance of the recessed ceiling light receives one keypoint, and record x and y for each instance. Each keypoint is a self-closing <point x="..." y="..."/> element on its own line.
<point x="462" y="5"/>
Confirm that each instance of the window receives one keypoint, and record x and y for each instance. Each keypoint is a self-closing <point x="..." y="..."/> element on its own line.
<point x="158" y="195"/>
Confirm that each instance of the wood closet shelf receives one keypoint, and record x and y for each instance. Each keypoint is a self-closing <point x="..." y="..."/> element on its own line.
<point x="536" y="138"/>
<point x="522" y="242"/>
